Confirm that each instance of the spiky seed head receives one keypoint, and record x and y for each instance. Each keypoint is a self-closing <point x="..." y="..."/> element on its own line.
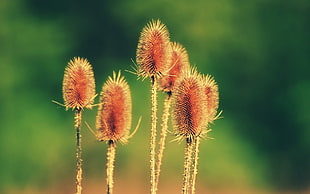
<point x="179" y="64"/>
<point x="78" y="84"/>
<point x="153" y="50"/>
<point x="189" y="112"/>
<point x="114" y="112"/>
<point x="212" y="97"/>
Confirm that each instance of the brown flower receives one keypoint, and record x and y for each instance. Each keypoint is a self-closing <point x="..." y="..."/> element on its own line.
<point x="153" y="49"/>
<point x="78" y="84"/>
<point x="114" y="113"/>
<point x="189" y="106"/>
<point x="178" y="64"/>
<point x="212" y="97"/>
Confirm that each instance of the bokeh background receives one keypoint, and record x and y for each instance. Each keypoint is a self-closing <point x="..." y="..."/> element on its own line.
<point x="258" y="51"/>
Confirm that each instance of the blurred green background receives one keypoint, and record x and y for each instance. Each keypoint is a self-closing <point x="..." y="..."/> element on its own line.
<point x="258" y="51"/>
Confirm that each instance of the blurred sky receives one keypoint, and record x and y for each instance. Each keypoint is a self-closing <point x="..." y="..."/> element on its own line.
<point x="258" y="51"/>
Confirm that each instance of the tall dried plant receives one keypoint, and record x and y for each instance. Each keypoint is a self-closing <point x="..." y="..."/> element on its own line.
<point x="152" y="57"/>
<point x="114" y="119"/>
<point x="195" y="104"/>
<point x="210" y="89"/>
<point x="78" y="93"/>
<point x="179" y="64"/>
<point x="189" y="118"/>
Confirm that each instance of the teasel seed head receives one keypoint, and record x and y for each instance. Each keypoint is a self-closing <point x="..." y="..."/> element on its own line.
<point x="114" y="112"/>
<point x="189" y="112"/>
<point x="153" y="50"/>
<point x="179" y="64"/>
<point x="78" y="84"/>
<point x="212" y="97"/>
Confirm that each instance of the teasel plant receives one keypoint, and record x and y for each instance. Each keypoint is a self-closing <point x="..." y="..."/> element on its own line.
<point x="189" y="118"/>
<point x="113" y="121"/>
<point x="78" y="93"/>
<point x="152" y="58"/>
<point x="179" y="64"/>
<point x="195" y="104"/>
<point x="210" y="89"/>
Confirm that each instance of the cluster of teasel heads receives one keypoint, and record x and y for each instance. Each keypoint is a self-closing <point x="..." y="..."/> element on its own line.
<point x="193" y="97"/>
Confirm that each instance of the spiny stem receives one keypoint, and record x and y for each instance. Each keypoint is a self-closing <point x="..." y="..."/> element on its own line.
<point x="77" y="125"/>
<point x="163" y="135"/>
<point x="187" y="165"/>
<point x="110" y="166"/>
<point x="195" y="164"/>
<point x="153" y="134"/>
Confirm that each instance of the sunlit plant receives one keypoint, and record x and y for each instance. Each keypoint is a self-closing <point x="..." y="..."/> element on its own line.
<point x="78" y="93"/>
<point x="193" y="98"/>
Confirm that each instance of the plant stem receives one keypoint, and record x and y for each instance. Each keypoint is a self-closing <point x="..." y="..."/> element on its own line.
<point x="195" y="165"/>
<point x="110" y="166"/>
<point x="153" y="134"/>
<point x="187" y="165"/>
<point x="77" y="125"/>
<point x="163" y="134"/>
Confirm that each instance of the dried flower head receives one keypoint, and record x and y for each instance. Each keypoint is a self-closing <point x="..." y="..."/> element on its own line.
<point x="153" y="50"/>
<point x="114" y="113"/>
<point x="189" y="106"/>
<point x="212" y="97"/>
<point x="178" y="65"/>
<point x="78" y="84"/>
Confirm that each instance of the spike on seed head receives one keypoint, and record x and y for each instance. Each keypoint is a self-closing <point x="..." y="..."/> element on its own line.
<point x="178" y="65"/>
<point x="212" y="97"/>
<point x="189" y="106"/>
<point x="153" y="49"/>
<point x="114" y="113"/>
<point x="78" y="84"/>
